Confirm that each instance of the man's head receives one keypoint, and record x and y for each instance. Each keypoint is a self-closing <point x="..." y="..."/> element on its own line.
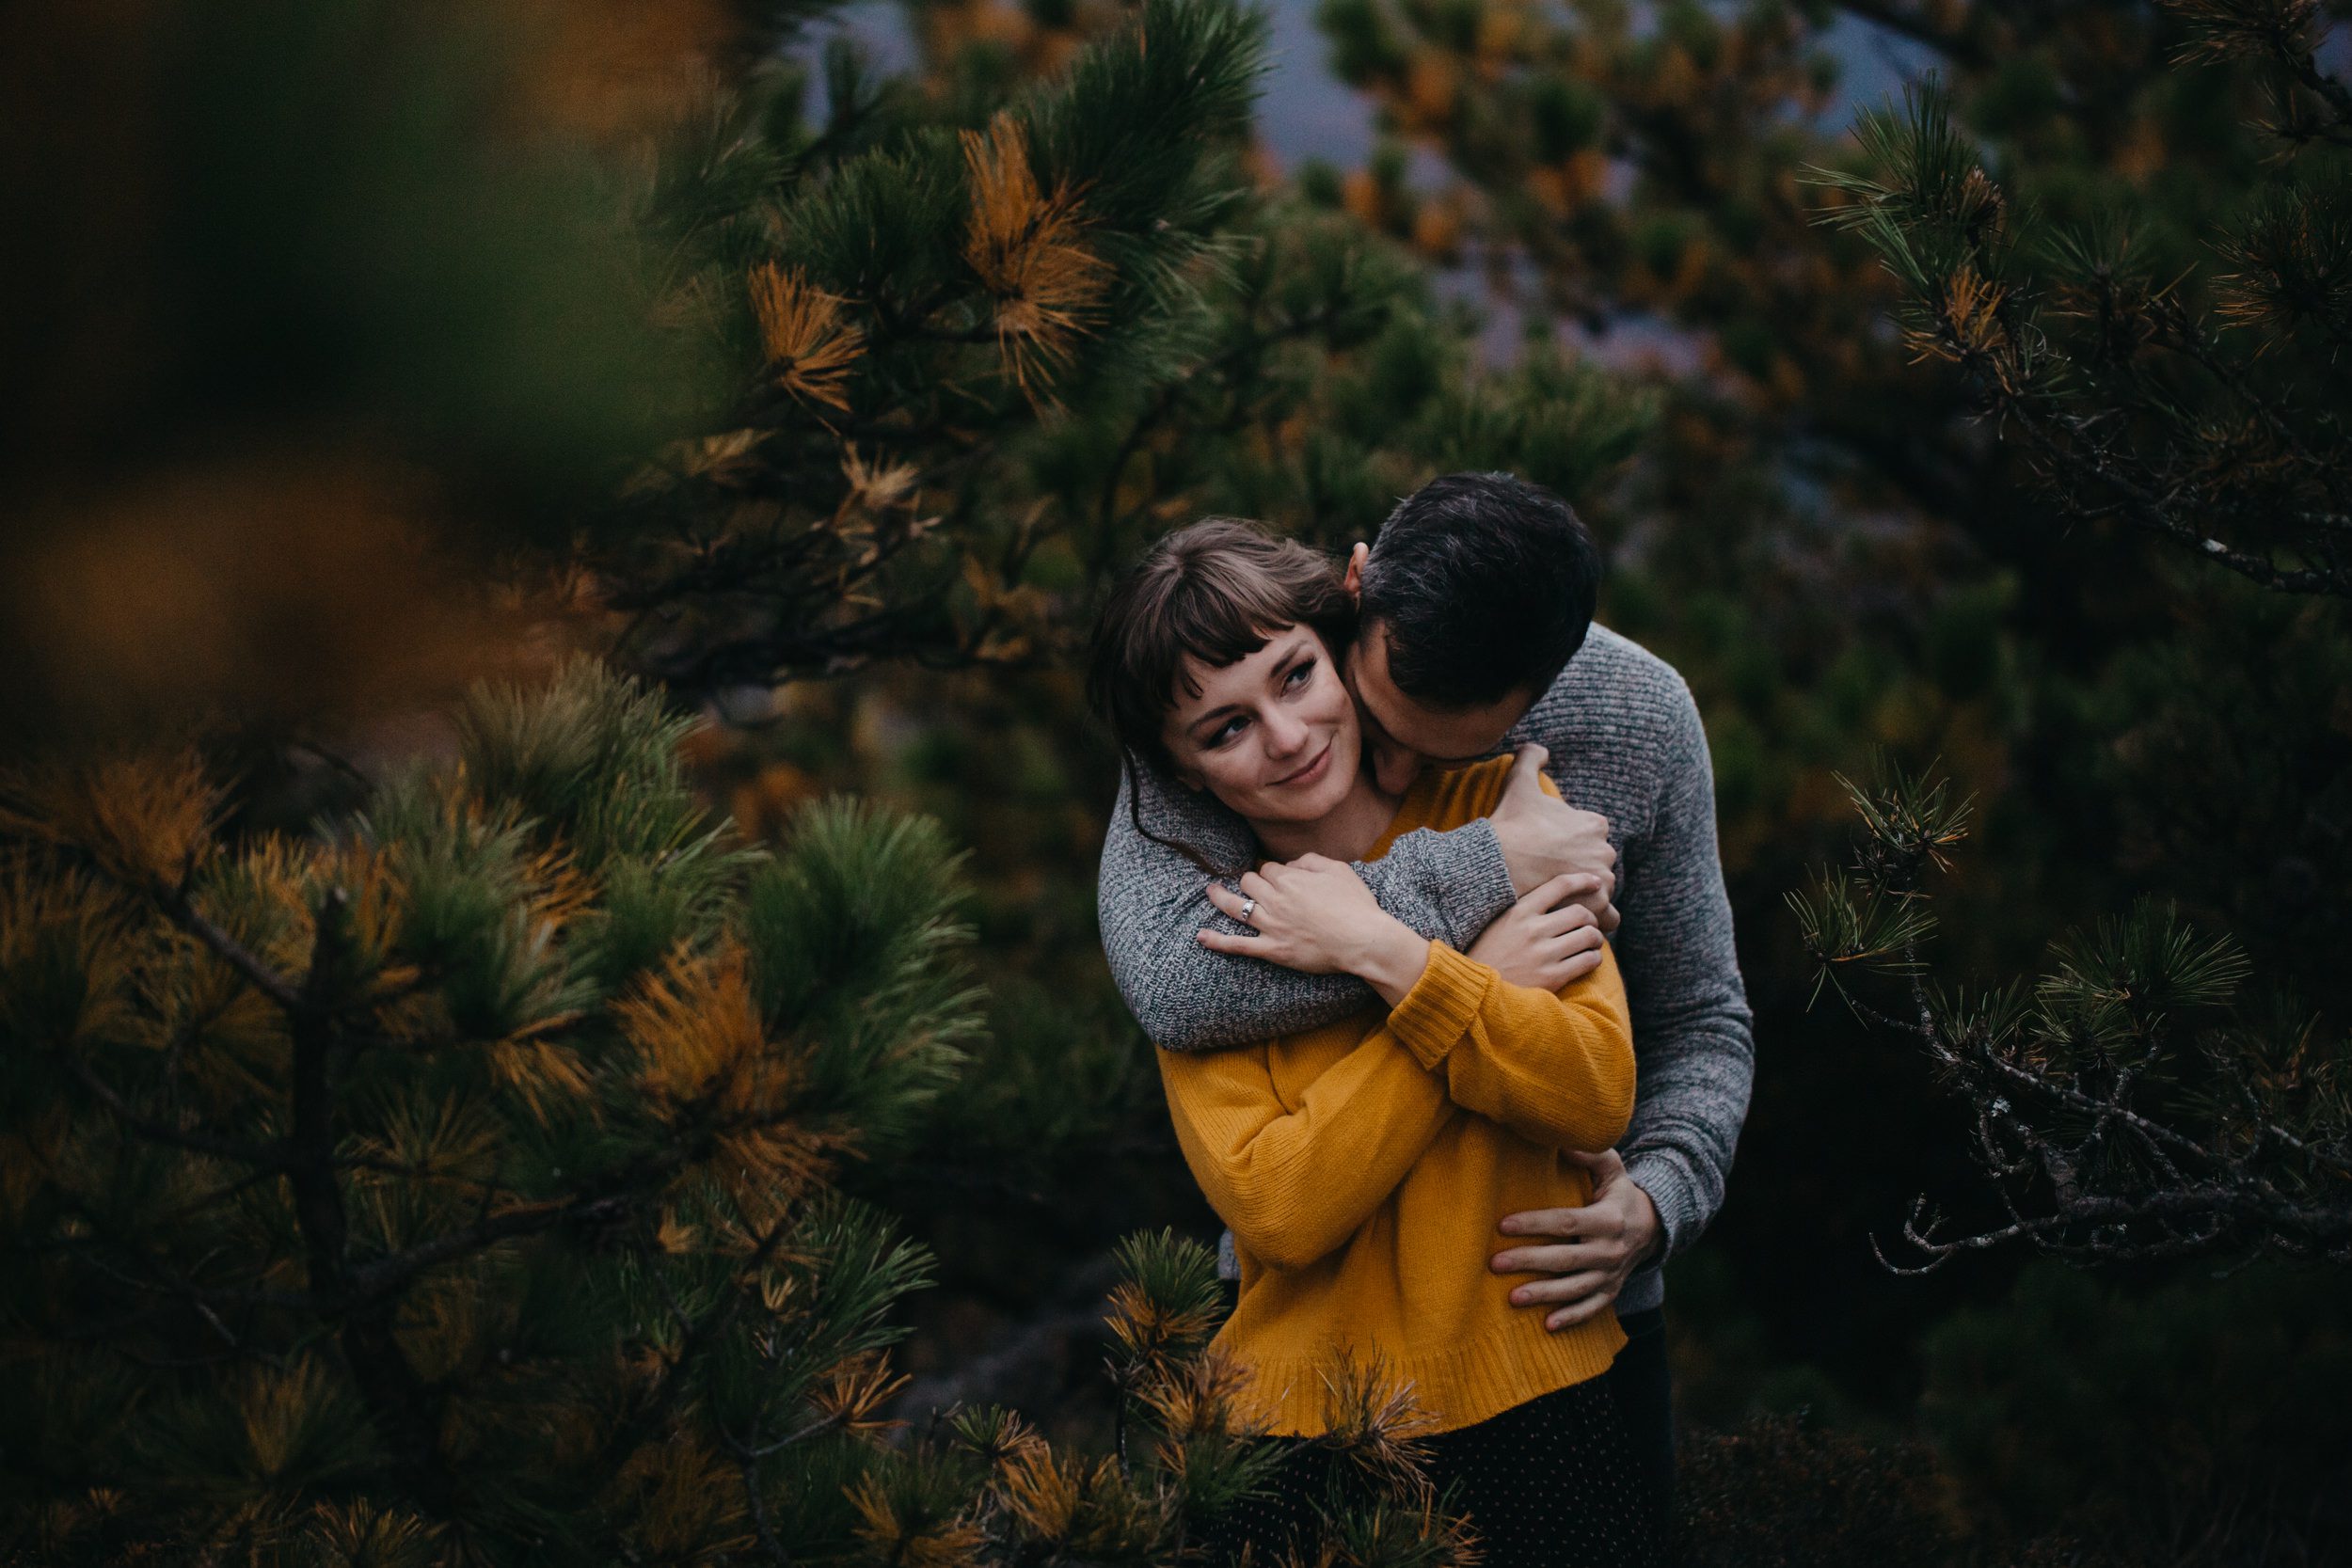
<point x="1475" y="595"/>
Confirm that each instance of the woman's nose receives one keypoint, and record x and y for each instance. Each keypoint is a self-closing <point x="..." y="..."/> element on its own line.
<point x="1284" y="734"/>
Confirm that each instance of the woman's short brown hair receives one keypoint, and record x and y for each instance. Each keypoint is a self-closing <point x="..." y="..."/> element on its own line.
<point x="1218" y="592"/>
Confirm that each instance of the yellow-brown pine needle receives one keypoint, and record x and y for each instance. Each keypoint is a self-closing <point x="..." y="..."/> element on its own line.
<point x="364" y="1531"/>
<point x="858" y="1387"/>
<point x="810" y="348"/>
<point x="1146" y="1328"/>
<point x="876" y="486"/>
<point x="688" y="1501"/>
<point x="702" y="1052"/>
<point x="1025" y="245"/>
<point x="955" y="1542"/>
<point x="276" y="1407"/>
<point x="1041" y="1490"/>
<point x="1371" y="1422"/>
<point x="145" y="820"/>
<point x="1968" y="325"/>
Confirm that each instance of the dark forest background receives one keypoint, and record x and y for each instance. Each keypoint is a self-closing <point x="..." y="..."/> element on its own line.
<point x="815" y="371"/>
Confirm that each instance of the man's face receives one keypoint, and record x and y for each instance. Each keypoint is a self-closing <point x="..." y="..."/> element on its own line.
<point x="1401" y="734"/>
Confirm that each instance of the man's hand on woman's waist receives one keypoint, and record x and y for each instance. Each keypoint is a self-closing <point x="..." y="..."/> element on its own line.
<point x="1587" y="1254"/>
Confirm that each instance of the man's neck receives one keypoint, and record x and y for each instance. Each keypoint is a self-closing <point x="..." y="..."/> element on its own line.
<point x="1345" y="832"/>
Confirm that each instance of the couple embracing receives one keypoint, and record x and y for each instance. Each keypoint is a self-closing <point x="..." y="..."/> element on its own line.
<point x="1458" y="1063"/>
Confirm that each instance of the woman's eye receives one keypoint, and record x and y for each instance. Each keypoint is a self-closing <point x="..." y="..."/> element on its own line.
<point x="1226" y="731"/>
<point x="1299" y="674"/>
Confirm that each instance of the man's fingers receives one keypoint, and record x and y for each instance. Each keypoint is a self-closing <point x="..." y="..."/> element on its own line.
<point x="1568" y="1316"/>
<point x="1565" y="1291"/>
<point x="1525" y="764"/>
<point x="1542" y="1222"/>
<point x="1608" y="918"/>
<point x="1603" y="1166"/>
<point x="1557" y="893"/>
<point x="1552" y="1260"/>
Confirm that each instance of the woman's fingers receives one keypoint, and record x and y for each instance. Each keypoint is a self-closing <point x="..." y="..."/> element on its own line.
<point x="1567" y="917"/>
<point x="1226" y="941"/>
<point x="1546" y="894"/>
<point x="1255" y="886"/>
<point x="1571" y="970"/>
<point x="1225" y="898"/>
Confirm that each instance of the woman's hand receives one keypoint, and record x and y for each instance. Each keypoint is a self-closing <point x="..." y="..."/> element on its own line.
<point x="1316" y="915"/>
<point x="1546" y="940"/>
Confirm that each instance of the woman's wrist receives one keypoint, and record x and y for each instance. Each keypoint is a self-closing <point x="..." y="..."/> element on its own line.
<point x="1391" y="958"/>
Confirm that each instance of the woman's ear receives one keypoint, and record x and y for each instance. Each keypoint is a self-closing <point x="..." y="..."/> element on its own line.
<point x="1354" y="580"/>
<point x="1192" y="779"/>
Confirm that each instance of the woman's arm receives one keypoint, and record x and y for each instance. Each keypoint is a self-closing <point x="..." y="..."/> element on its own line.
<point x="1294" y="1185"/>
<point x="1557" y="1070"/>
<point x="1189" y="996"/>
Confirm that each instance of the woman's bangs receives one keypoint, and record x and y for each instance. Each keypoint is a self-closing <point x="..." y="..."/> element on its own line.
<point x="1222" y="622"/>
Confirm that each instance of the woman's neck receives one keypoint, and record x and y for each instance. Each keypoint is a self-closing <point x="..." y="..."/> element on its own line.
<point x="1345" y="832"/>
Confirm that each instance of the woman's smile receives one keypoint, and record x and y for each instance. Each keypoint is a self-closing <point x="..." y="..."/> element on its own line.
<point x="1311" y="774"/>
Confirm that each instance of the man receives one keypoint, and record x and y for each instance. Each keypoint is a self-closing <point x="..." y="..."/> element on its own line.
<point x="1475" y="634"/>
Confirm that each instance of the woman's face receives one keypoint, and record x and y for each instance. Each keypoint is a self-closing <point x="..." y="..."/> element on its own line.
<point x="1273" y="736"/>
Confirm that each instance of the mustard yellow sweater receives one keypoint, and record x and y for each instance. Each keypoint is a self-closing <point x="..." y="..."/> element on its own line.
<point x="1362" y="1168"/>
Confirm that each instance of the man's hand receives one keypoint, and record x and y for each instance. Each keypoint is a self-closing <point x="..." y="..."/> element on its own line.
<point x="1546" y="938"/>
<point x="1588" y="1252"/>
<point x="1543" y="837"/>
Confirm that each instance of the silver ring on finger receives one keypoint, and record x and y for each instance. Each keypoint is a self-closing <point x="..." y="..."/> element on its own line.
<point x="1248" y="909"/>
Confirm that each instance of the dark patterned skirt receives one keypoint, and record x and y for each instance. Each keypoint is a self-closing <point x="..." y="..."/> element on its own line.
<point x="1549" y="1482"/>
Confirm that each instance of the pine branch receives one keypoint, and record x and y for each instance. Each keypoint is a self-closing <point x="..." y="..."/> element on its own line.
<point x="640" y="1425"/>
<point x="182" y="913"/>
<point x="263" y="1157"/>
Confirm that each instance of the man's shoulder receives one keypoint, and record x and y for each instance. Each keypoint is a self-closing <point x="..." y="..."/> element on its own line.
<point x="1613" y="691"/>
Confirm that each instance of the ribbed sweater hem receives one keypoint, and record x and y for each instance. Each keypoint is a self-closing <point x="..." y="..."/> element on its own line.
<point x="1456" y="1387"/>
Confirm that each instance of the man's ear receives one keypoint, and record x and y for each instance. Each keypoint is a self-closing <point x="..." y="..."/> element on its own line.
<point x="1353" y="581"/>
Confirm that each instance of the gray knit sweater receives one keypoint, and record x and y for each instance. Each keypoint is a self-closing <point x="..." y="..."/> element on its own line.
<point x="1625" y="741"/>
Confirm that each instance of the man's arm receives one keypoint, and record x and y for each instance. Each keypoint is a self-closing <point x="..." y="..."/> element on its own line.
<point x="1691" y="1028"/>
<point x="1149" y="897"/>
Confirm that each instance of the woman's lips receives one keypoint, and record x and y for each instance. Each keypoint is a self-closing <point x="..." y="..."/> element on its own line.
<point x="1309" y="773"/>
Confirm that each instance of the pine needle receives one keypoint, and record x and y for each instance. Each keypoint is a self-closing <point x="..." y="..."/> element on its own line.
<point x="810" y="348"/>
<point x="1025" y="245"/>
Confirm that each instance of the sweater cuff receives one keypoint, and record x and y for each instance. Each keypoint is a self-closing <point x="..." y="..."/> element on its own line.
<point x="1660" y="1173"/>
<point x="1436" y="1012"/>
<point x="1480" y="888"/>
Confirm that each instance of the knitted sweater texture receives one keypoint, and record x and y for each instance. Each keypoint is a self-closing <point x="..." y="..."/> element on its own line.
<point x="1625" y="741"/>
<point x="1350" y="1159"/>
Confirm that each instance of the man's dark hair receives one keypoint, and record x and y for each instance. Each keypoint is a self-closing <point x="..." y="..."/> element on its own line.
<point x="1486" y="584"/>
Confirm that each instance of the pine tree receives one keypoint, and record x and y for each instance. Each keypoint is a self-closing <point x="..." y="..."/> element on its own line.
<point x="2123" y="1107"/>
<point x="993" y="335"/>
<point x="459" y="1182"/>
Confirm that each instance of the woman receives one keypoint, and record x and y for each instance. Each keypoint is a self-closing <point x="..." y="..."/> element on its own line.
<point x="1361" y="1166"/>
